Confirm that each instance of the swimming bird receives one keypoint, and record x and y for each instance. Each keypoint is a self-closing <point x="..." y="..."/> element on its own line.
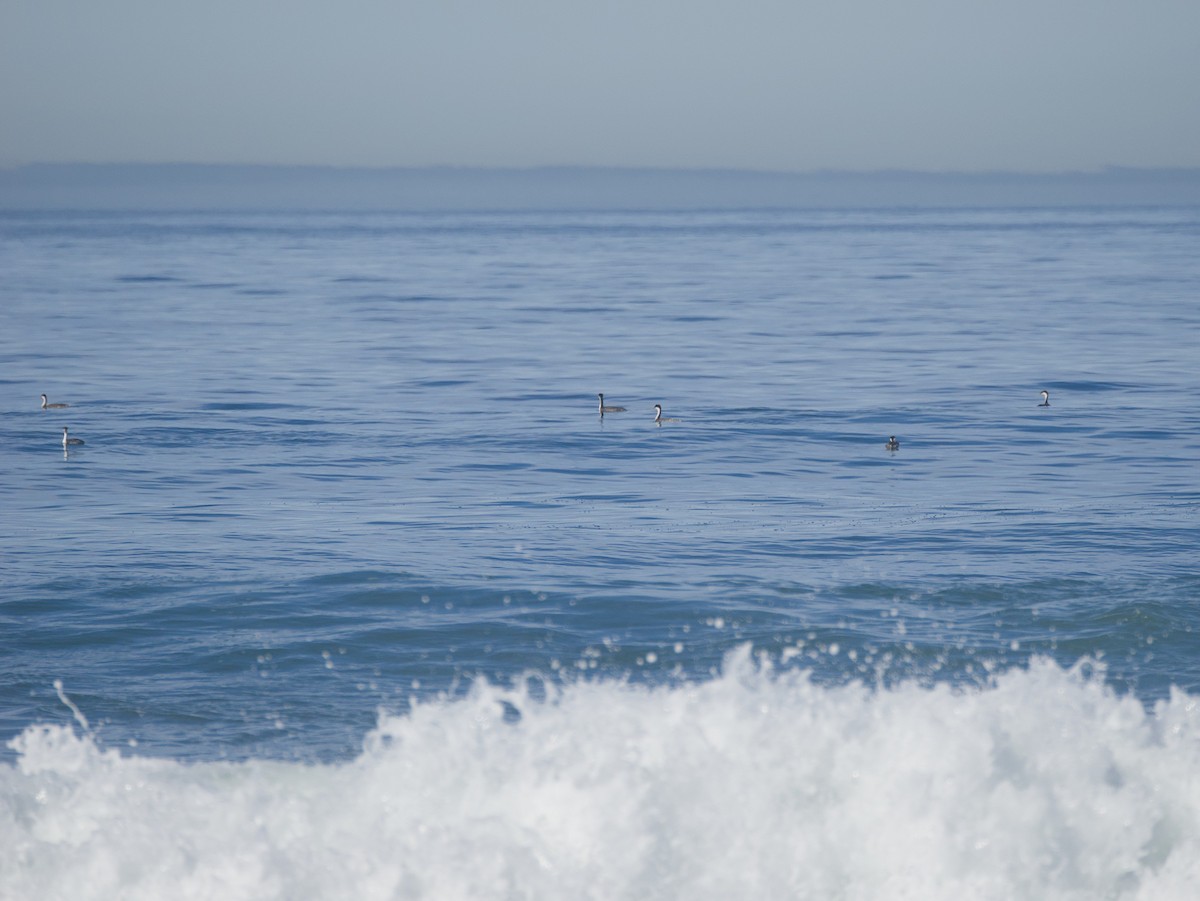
<point x="67" y="440"/>
<point x="892" y="444"/>
<point x="1045" y="399"/>
<point x="604" y="409"/>
<point x="46" y="405"/>
<point x="659" y="418"/>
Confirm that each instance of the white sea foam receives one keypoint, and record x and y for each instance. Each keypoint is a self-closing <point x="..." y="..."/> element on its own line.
<point x="757" y="784"/>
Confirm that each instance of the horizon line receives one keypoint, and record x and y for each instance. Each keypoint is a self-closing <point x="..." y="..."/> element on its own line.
<point x="1108" y="169"/>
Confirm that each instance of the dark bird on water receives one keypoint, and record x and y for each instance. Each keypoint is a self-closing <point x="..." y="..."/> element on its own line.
<point x="608" y="409"/>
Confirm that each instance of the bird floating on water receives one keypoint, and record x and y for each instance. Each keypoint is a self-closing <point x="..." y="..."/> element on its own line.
<point x="68" y="440"/>
<point x="659" y="418"/>
<point x="608" y="409"/>
<point x="46" y="405"/>
<point x="1045" y="399"/>
<point x="892" y="444"/>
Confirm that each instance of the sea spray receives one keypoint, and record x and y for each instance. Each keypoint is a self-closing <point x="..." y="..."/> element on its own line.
<point x="758" y="783"/>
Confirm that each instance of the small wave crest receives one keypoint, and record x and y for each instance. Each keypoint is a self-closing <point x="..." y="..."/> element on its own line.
<point x="758" y="783"/>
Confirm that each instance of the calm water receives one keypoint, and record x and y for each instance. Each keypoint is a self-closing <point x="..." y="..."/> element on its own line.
<point x="351" y="592"/>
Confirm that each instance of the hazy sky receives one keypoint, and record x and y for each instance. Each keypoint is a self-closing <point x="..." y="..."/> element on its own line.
<point x="1024" y="85"/>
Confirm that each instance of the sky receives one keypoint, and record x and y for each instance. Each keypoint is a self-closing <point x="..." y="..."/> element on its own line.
<point x="771" y="85"/>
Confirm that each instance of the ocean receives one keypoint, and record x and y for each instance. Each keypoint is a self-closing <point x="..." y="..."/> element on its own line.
<point x="352" y="592"/>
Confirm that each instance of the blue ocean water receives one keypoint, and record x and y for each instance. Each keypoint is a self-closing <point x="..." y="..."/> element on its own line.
<point x="351" y="591"/>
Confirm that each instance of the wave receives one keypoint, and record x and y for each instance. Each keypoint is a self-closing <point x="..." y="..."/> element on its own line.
<point x="758" y="783"/>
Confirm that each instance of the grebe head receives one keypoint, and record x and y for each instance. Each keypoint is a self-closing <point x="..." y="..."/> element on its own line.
<point x="657" y="412"/>
<point x="1045" y="398"/>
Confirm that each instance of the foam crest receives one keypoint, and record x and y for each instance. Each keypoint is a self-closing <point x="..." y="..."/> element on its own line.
<point x="758" y="783"/>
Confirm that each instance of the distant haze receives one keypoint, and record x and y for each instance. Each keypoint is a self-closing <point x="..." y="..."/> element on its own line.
<point x="227" y="187"/>
<point x="769" y="85"/>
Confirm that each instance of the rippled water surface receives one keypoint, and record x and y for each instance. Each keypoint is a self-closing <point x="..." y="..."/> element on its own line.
<point x="329" y="456"/>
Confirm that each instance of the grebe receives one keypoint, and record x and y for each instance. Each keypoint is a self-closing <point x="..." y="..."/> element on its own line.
<point x="659" y="418"/>
<point x="46" y="405"/>
<point x="604" y="409"/>
<point x="892" y="444"/>
<point x="68" y="440"/>
<point x="1045" y="399"/>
